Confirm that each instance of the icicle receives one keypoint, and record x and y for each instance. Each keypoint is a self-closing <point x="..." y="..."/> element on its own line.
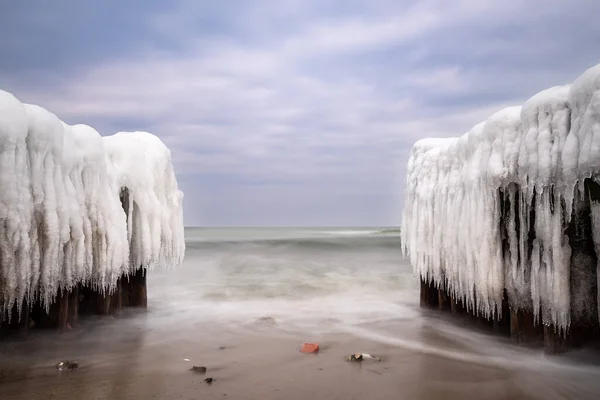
<point x="595" y="214"/>
<point x="140" y="162"/>
<point x="538" y="156"/>
<point x="61" y="221"/>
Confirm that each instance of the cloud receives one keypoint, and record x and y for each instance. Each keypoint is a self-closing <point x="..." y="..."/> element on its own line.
<point x="295" y="112"/>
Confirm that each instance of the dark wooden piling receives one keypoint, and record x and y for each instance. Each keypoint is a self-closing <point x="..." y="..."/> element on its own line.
<point x="95" y="303"/>
<point x="16" y="326"/>
<point x="554" y="342"/>
<point x="130" y="291"/>
<point x="115" y="299"/>
<point x="63" y="311"/>
<point x="443" y="300"/>
<point x="103" y="303"/>
<point x="501" y="320"/>
<point x="456" y="306"/>
<point x="523" y="329"/>
<point x="25" y="319"/>
<point x="133" y="287"/>
<point x="424" y="294"/>
<point x="519" y="323"/>
<point x="429" y="295"/>
<point x="73" y="312"/>
<point x="137" y="289"/>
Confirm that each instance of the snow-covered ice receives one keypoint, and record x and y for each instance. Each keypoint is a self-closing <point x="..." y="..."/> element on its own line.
<point x="467" y="222"/>
<point x="61" y="217"/>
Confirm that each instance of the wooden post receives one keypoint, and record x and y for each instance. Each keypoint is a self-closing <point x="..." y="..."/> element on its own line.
<point x="63" y="311"/>
<point x="443" y="300"/>
<point x="523" y="329"/>
<point x="515" y="328"/>
<point x="16" y="325"/>
<point x="553" y="342"/>
<point x="73" y="312"/>
<point x="583" y="274"/>
<point x="424" y="294"/>
<point x="138" y="296"/>
<point x="456" y="306"/>
<point x="502" y="324"/>
<point x="104" y="304"/>
<point x="133" y="292"/>
<point x="97" y="303"/>
<point x="116" y="298"/>
<point x="429" y="295"/>
<point x="24" y="324"/>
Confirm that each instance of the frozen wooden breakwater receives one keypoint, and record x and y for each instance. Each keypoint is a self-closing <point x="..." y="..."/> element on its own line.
<point x="83" y="218"/>
<point x="503" y="222"/>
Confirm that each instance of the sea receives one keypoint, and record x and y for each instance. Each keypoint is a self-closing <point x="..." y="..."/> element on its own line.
<point x="243" y="302"/>
<point x="324" y="278"/>
<point x="313" y="282"/>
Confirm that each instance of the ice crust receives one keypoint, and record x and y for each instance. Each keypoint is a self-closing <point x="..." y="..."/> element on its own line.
<point x="61" y="219"/>
<point x="467" y="223"/>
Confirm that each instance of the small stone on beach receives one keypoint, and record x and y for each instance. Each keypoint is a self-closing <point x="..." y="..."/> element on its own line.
<point x="209" y="381"/>
<point x="67" y="365"/>
<point x="361" y="356"/>
<point x="198" y="370"/>
<point x="266" y="320"/>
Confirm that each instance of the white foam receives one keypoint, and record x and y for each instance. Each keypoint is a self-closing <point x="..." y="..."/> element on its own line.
<point x="347" y="233"/>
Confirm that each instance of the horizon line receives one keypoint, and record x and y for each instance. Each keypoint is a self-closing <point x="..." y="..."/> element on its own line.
<point x="292" y="226"/>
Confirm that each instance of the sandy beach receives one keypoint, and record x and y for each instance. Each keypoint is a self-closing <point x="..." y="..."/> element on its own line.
<point x="264" y="362"/>
<point x="192" y="192"/>
<point x="242" y="306"/>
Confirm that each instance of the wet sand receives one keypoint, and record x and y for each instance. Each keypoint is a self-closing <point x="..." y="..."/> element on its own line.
<point x="261" y="360"/>
<point x="261" y="301"/>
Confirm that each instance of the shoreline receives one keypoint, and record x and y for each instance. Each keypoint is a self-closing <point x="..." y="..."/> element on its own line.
<point x="125" y="360"/>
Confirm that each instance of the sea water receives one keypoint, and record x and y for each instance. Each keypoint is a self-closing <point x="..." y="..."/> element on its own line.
<point x="322" y="278"/>
<point x="355" y="281"/>
<point x="296" y="283"/>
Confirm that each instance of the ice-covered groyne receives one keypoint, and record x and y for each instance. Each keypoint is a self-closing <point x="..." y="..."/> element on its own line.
<point x="510" y="211"/>
<point x="79" y="209"/>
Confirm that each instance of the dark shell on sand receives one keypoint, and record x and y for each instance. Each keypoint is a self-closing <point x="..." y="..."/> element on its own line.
<point x="266" y="321"/>
<point x="198" y="370"/>
<point x="67" y="365"/>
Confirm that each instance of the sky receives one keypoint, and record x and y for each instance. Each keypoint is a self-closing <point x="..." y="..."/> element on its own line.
<point x="291" y="112"/>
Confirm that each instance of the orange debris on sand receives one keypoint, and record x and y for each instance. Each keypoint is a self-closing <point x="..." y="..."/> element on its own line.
<point x="310" y="348"/>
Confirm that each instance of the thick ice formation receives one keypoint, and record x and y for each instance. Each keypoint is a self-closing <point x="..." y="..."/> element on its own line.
<point x="491" y="210"/>
<point x="61" y="218"/>
<point x="141" y="163"/>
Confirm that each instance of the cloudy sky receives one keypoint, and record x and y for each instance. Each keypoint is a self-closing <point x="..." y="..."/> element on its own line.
<point x="291" y="112"/>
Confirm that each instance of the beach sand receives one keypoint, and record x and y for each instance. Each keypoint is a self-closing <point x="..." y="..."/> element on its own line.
<point x="263" y="361"/>
<point x="261" y="300"/>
